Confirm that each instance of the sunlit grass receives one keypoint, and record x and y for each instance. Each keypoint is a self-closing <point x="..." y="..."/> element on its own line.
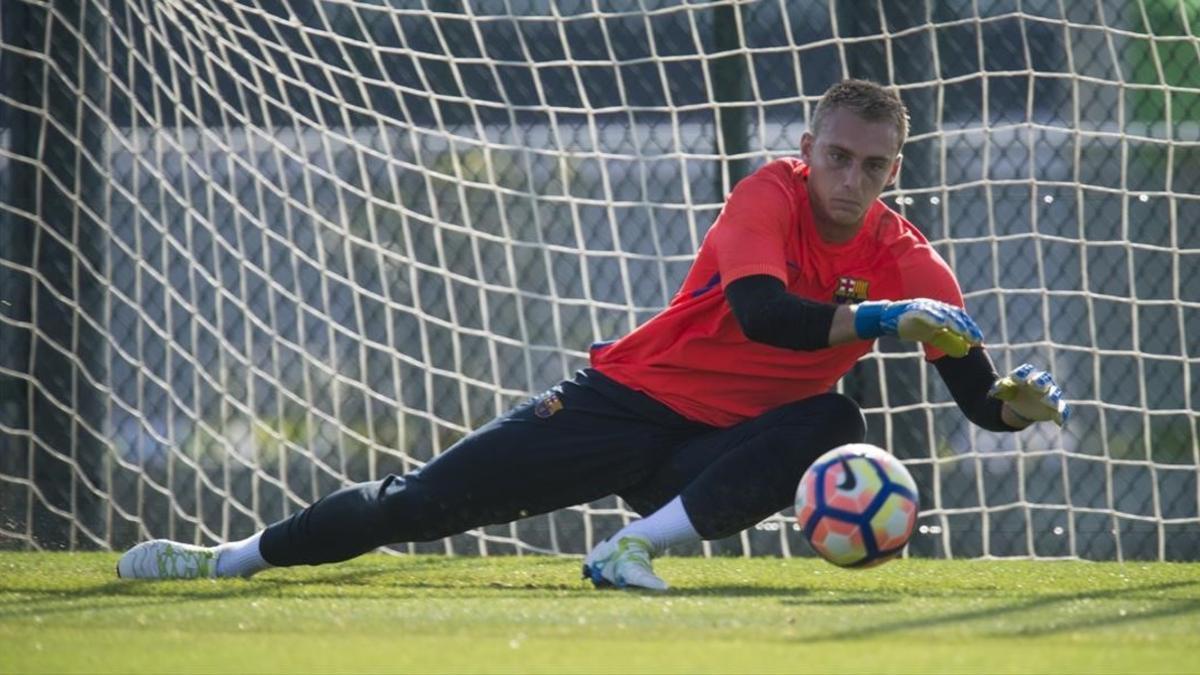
<point x="68" y="613"/>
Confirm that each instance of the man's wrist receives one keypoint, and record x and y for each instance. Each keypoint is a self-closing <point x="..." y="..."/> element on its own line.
<point x="868" y="317"/>
<point x="841" y="331"/>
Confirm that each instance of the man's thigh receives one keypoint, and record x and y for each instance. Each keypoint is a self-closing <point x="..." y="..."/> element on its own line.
<point x="796" y="429"/>
<point x="568" y="446"/>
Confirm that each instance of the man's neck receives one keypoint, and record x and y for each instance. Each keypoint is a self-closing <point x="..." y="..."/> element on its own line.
<point x="832" y="233"/>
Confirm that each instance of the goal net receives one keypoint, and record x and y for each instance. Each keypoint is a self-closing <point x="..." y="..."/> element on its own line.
<point x="254" y="251"/>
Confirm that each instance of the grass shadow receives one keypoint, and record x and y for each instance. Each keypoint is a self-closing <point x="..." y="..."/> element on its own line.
<point x="735" y="591"/>
<point x="842" y="602"/>
<point x="1044" y="602"/>
<point x="1175" y="609"/>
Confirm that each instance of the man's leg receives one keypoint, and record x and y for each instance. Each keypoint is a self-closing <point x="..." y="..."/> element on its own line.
<point x="585" y="439"/>
<point x="721" y="483"/>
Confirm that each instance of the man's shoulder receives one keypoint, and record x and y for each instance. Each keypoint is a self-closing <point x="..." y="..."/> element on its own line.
<point x="904" y="242"/>
<point x="896" y="233"/>
<point x="779" y="179"/>
<point x="921" y="271"/>
<point x="787" y="170"/>
<point x="789" y="164"/>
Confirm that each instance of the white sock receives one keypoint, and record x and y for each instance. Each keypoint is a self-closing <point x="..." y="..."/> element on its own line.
<point x="665" y="527"/>
<point x="241" y="558"/>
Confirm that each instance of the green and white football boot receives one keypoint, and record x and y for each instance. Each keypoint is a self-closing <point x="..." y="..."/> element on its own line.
<point x="624" y="563"/>
<point x="165" y="559"/>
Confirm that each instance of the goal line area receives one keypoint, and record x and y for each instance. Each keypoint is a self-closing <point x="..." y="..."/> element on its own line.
<point x="251" y="252"/>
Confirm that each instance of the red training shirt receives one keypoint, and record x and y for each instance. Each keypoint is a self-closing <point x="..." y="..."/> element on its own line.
<point x="693" y="356"/>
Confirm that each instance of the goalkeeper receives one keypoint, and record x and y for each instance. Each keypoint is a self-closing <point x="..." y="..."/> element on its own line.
<point x="704" y="418"/>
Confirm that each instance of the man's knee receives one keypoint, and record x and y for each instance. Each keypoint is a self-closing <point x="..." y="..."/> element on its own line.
<point x="415" y="507"/>
<point x="846" y="420"/>
<point x="409" y="508"/>
<point x="834" y="418"/>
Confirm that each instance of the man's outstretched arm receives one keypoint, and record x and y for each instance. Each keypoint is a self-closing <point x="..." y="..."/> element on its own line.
<point x="767" y="313"/>
<point x="1008" y="403"/>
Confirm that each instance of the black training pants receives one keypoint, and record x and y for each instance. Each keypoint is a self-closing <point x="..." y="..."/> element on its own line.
<point x="585" y="439"/>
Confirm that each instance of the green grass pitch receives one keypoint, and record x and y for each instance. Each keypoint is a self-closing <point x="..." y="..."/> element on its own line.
<point x="64" y="612"/>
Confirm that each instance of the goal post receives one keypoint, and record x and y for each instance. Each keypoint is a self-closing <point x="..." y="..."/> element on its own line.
<point x="255" y="251"/>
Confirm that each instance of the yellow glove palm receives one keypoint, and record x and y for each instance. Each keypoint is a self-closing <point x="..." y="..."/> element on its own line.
<point x="1032" y="395"/>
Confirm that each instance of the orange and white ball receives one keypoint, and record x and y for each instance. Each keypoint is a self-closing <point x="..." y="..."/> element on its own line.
<point x="857" y="505"/>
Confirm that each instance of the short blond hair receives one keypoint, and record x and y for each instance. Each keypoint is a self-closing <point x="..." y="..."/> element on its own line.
<point x="868" y="100"/>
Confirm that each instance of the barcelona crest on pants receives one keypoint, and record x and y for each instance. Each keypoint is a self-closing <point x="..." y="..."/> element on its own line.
<point x="547" y="404"/>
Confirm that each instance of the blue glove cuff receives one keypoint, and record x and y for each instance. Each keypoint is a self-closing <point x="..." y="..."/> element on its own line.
<point x="868" y="319"/>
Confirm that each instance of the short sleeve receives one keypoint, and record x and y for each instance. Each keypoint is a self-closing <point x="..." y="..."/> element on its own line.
<point x="750" y="235"/>
<point x="926" y="275"/>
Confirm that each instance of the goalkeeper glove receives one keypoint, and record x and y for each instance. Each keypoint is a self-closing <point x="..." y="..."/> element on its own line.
<point x="944" y="326"/>
<point x="1032" y="395"/>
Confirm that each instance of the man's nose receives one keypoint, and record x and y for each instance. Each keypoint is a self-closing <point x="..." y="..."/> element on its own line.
<point x="852" y="176"/>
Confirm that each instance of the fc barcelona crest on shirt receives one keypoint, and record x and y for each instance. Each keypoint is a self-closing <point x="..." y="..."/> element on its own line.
<point x="850" y="290"/>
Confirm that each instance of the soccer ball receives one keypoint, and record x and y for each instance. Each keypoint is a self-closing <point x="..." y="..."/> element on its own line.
<point x="857" y="505"/>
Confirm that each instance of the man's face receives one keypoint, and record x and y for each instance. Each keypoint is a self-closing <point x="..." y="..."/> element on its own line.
<point x="850" y="161"/>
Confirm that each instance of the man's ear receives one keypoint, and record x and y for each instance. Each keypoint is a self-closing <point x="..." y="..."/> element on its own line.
<point x="895" y="170"/>
<point x="806" y="143"/>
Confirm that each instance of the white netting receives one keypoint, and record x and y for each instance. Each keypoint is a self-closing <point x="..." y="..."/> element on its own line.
<point x="253" y="251"/>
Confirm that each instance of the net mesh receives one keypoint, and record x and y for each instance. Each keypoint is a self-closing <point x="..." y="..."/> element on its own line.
<point x="252" y="252"/>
